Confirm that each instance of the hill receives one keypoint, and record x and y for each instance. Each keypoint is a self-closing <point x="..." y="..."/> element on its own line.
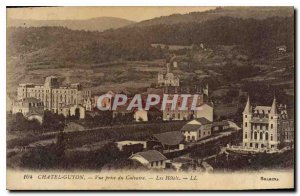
<point x="62" y="45"/>
<point x="93" y="24"/>
<point x="234" y="12"/>
<point x="236" y="49"/>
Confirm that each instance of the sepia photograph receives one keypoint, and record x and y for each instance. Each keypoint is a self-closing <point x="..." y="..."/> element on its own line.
<point x="150" y="98"/>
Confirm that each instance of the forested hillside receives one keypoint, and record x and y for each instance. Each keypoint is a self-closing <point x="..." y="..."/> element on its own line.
<point x="234" y="12"/>
<point x="52" y="45"/>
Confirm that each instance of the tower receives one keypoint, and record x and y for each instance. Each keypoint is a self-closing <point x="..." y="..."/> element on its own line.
<point x="50" y="83"/>
<point x="273" y="126"/>
<point x="247" y="116"/>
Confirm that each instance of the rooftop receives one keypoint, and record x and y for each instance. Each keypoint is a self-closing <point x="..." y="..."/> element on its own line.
<point x="169" y="138"/>
<point x="221" y="123"/>
<point x="203" y="121"/>
<point x="190" y="127"/>
<point x="262" y="109"/>
<point x="182" y="90"/>
<point x="151" y="155"/>
<point x="31" y="100"/>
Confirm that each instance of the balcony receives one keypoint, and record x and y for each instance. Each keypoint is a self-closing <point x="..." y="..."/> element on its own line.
<point x="260" y="120"/>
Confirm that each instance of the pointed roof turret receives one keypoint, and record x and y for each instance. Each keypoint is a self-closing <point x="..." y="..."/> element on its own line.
<point x="247" y="109"/>
<point x="274" y="107"/>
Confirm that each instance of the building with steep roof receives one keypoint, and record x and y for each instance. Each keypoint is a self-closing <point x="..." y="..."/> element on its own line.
<point x="261" y="126"/>
<point x="152" y="159"/>
<point x="196" y="129"/>
<point x="170" y="141"/>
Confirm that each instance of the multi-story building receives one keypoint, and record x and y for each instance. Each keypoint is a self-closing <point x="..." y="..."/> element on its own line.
<point x="287" y="130"/>
<point x="31" y="108"/>
<point x="54" y="96"/>
<point x="261" y="126"/>
<point x="188" y="113"/>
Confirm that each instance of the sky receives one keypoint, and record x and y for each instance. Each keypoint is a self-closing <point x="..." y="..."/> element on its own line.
<point x="130" y="13"/>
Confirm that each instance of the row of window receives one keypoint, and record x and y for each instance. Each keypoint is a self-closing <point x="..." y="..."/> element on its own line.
<point x="260" y="136"/>
<point x="256" y="145"/>
<point x="36" y="104"/>
<point x="260" y="115"/>
<point x="260" y="126"/>
<point x="157" y="163"/>
<point x="173" y="116"/>
<point x="54" y="91"/>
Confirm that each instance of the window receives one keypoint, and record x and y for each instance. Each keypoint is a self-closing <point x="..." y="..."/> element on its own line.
<point x="255" y="135"/>
<point x="267" y="127"/>
<point x="245" y="124"/>
<point x="271" y="137"/>
<point x="151" y="164"/>
<point x="260" y="126"/>
<point x="271" y="117"/>
<point x="267" y="136"/>
<point x="161" y="162"/>
<point x="261" y="135"/>
<point x="271" y="126"/>
<point x="245" y="116"/>
<point x="156" y="163"/>
<point x="250" y="144"/>
<point x="246" y="136"/>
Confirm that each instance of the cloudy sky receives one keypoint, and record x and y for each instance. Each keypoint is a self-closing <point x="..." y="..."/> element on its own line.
<point x="130" y="13"/>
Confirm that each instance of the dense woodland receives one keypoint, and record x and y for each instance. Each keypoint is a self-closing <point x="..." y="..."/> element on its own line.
<point x="58" y="44"/>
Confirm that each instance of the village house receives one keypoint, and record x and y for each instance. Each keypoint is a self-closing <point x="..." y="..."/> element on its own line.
<point x="140" y="115"/>
<point x="170" y="141"/>
<point x="132" y="146"/>
<point x="220" y="126"/>
<point x="151" y="159"/>
<point x="196" y="129"/>
<point x="75" y="110"/>
<point x="281" y="49"/>
<point x="206" y="111"/>
<point x="181" y="163"/>
<point x="121" y="111"/>
<point x="30" y="107"/>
